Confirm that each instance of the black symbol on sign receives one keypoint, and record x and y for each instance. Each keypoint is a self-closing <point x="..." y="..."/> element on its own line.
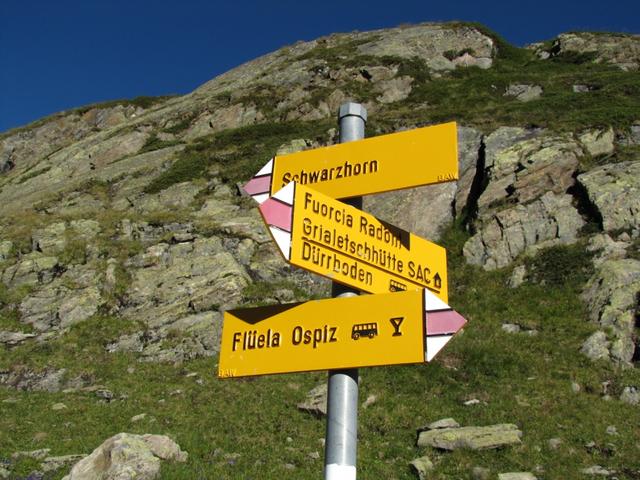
<point x="396" y="322"/>
<point x="395" y="286"/>
<point x="364" y="330"/>
<point x="437" y="281"/>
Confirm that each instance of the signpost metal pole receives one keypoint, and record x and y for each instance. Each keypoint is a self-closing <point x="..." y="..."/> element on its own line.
<point x="342" y="401"/>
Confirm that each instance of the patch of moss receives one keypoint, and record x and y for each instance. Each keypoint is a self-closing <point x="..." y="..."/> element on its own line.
<point x="183" y="123"/>
<point x="154" y="143"/>
<point x="239" y="152"/>
<point x="453" y="54"/>
<point x="476" y="97"/>
<point x="10" y="297"/>
<point x="561" y="265"/>
<point x="259" y="293"/>
<point x="575" y="58"/>
<point x="33" y="173"/>
<point x="504" y="50"/>
<point x="140" y="101"/>
<point x="75" y="250"/>
<point x="265" y="98"/>
<point x="336" y="54"/>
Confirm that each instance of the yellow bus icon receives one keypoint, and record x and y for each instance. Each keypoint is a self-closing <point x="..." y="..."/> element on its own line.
<point x="364" y="330"/>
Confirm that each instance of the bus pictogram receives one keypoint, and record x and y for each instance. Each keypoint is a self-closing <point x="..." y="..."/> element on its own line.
<point x="395" y="286"/>
<point x="364" y="330"/>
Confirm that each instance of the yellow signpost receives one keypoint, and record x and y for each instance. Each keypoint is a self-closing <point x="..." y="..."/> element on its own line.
<point x="406" y="159"/>
<point x="297" y="195"/>
<point x="335" y="240"/>
<point x="388" y="329"/>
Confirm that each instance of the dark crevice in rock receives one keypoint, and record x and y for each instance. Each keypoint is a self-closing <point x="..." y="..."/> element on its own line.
<point x="636" y="354"/>
<point x="586" y="208"/>
<point x="479" y="184"/>
<point x="555" y="48"/>
<point x="7" y="165"/>
<point x="366" y="75"/>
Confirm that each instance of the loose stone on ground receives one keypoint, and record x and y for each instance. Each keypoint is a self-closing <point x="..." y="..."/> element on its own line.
<point x="474" y="438"/>
<point x="516" y="476"/>
<point x="316" y="401"/>
<point x="129" y="456"/>
<point x="422" y="466"/>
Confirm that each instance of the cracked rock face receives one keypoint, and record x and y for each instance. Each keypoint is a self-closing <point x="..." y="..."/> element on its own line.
<point x="622" y="51"/>
<point x="33" y="269"/>
<point x="524" y="170"/>
<point x="176" y="293"/>
<point x="187" y="277"/>
<point x="71" y="298"/>
<point x="614" y="189"/>
<point x="548" y="221"/>
<point x="612" y="299"/>
<point x="431" y="42"/>
<point x="524" y="204"/>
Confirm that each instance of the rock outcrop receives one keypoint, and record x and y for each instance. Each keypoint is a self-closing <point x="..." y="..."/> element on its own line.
<point x="612" y="298"/>
<point x="615" y="191"/>
<point x="620" y="50"/>
<point x="525" y="204"/>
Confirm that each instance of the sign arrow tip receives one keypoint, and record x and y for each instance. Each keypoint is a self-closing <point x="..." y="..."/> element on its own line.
<point x="441" y="327"/>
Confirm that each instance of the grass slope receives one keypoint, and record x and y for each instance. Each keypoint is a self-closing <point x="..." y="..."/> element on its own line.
<point x="251" y="428"/>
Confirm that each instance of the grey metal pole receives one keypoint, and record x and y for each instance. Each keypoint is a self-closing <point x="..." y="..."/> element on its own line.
<point x="342" y="401"/>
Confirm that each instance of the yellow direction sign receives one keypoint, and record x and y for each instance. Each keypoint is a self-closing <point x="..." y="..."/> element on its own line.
<point x="377" y="164"/>
<point x="347" y="245"/>
<point x="371" y="330"/>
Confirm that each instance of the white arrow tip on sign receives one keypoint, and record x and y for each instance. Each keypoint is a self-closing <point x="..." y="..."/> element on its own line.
<point x="277" y="212"/>
<point x="283" y="240"/>
<point x="434" y="345"/>
<point x="432" y="302"/>
<point x="267" y="169"/>
<point x="286" y="193"/>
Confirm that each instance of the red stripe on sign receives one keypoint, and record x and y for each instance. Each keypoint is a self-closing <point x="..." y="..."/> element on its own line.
<point x="258" y="185"/>
<point x="277" y="213"/>
<point x="444" y="322"/>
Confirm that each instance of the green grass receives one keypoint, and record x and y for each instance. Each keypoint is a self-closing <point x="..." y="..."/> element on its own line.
<point x="476" y="97"/>
<point x="336" y="54"/>
<point x="154" y="143"/>
<point x="32" y="174"/>
<point x="10" y="320"/>
<point x="255" y="293"/>
<point x="239" y="152"/>
<point x="143" y="101"/>
<point x="182" y="123"/>
<point x="561" y="265"/>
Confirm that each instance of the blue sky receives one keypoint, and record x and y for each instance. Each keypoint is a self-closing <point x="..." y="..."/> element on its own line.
<point x="60" y="54"/>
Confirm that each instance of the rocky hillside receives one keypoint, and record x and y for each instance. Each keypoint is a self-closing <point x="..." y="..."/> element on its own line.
<point x="129" y="214"/>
